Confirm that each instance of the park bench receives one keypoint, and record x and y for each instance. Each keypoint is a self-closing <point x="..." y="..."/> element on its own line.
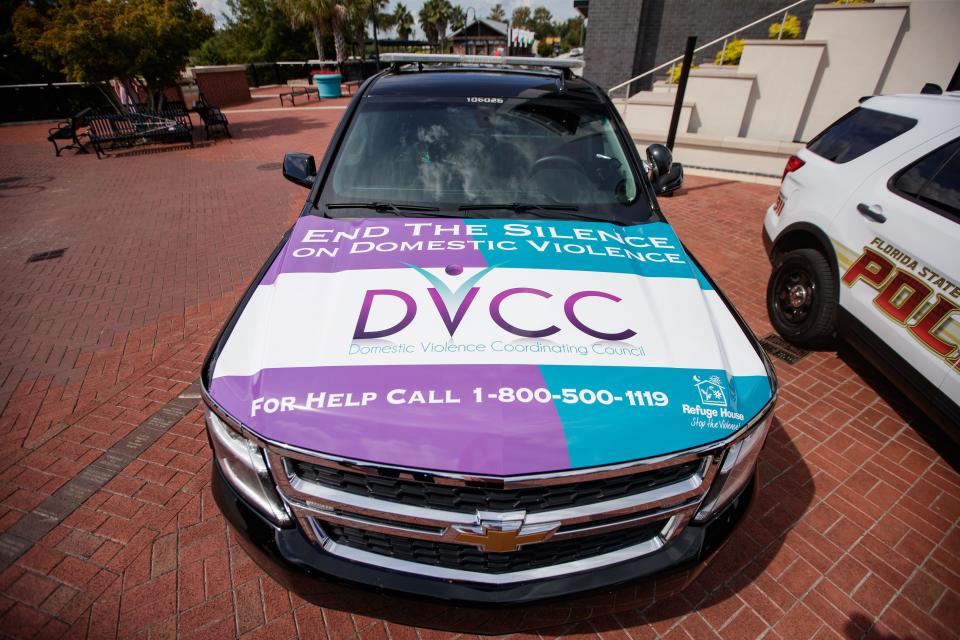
<point x="292" y="94"/>
<point x="143" y="127"/>
<point x="69" y="130"/>
<point x="174" y="105"/>
<point x="352" y="77"/>
<point x="212" y="118"/>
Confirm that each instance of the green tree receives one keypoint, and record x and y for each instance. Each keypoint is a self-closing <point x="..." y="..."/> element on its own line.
<point x="338" y="24"/>
<point x="314" y="14"/>
<point x="434" y="17"/>
<point x="142" y="43"/>
<point x="16" y="67"/>
<point x="323" y="16"/>
<point x="364" y="13"/>
<point x="255" y="31"/>
<point x="381" y="16"/>
<point x="520" y="18"/>
<point x="541" y="22"/>
<point x="497" y="14"/>
<point x="403" y="21"/>
<point x="570" y="33"/>
<point x="458" y="18"/>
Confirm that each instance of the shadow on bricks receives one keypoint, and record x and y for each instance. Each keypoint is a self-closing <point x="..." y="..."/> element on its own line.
<point x="786" y="493"/>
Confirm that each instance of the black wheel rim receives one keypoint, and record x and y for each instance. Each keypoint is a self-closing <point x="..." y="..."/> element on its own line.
<point x="794" y="294"/>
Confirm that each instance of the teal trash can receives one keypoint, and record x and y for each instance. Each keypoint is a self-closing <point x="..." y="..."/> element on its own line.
<point x="328" y="85"/>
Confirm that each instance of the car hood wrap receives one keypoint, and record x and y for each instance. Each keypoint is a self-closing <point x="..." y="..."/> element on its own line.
<point x="496" y="347"/>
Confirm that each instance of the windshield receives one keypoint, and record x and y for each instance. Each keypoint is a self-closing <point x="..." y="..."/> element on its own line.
<point x="454" y="153"/>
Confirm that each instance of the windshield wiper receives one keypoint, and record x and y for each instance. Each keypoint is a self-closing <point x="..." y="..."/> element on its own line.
<point x="519" y="207"/>
<point x="541" y="210"/>
<point x="382" y="207"/>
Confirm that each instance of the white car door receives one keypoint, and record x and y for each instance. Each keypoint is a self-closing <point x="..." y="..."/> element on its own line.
<point x="900" y="233"/>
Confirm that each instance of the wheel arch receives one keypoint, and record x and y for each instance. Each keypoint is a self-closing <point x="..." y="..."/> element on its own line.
<point x="803" y="235"/>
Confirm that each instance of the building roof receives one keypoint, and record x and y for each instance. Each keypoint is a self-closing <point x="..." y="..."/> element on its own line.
<point x="499" y="27"/>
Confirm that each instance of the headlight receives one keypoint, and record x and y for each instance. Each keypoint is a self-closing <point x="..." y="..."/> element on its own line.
<point x="736" y="469"/>
<point x="246" y="469"/>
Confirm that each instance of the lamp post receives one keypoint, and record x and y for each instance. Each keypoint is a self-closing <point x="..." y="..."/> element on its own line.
<point x="376" y="40"/>
<point x="467" y="45"/>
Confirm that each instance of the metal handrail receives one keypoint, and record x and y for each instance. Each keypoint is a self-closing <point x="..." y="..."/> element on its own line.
<point x="724" y="37"/>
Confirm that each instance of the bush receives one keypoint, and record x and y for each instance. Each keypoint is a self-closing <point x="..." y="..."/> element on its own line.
<point x="675" y="76"/>
<point x="732" y="53"/>
<point x="791" y="29"/>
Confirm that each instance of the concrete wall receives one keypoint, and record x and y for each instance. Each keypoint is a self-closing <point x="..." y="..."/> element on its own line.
<point x="627" y="37"/>
<point x="722" y="96"/>
<point x="782" y="97"/>
<point x="611" y="41"/>
<point x="222" y="84"/>
<point x="709" y="19"/>
<point x="930" y="49"/>
<point x="860" y="42"/>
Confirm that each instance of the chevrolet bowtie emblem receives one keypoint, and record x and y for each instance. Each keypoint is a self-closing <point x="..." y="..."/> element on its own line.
<point x="502" y="534"/>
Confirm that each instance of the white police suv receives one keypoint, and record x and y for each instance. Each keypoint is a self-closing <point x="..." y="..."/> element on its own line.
<point x="864" y="238"/>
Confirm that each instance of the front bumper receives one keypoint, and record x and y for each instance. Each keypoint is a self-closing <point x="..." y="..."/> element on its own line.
<point x="292" y="559"/>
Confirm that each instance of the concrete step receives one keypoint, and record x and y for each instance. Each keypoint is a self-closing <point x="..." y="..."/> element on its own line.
<point x="662" y="86"/>
<point x="650" y="111"/>
<point x="724" y="153"/>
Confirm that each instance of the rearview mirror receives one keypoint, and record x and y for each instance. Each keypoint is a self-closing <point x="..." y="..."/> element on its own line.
<point x="300" y="168"/>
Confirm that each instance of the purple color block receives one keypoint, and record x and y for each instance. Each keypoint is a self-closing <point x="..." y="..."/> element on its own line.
<point x="489" y="437"/>
<point x="400" y="230"/>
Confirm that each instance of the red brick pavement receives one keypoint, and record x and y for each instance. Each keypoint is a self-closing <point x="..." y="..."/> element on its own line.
<point x="855" y="533"/>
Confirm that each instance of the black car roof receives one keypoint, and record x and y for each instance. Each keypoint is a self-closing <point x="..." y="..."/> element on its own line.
<point x="485" y="83"/>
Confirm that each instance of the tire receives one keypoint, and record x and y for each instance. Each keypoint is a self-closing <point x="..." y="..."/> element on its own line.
<point x="802" y="298"/>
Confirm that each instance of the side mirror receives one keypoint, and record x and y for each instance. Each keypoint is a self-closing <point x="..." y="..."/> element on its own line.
<point x="669" y="182"/>
<point x="660" y="160"/>
<point x="300" y="168"/>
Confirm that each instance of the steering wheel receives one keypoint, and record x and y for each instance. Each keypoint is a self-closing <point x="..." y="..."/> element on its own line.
<point x="555" y="162"/>
<point x="560" y="192"/>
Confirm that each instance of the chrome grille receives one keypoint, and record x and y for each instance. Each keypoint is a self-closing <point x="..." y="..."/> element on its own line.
<point x="424" y="491"/>
<point x="468" y="558"/>
<point x="438" y="524"/>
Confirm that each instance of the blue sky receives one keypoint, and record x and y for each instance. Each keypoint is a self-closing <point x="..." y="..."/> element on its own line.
<point x="561" y="9"/>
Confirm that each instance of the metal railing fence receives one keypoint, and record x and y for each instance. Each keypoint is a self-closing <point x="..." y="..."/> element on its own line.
<point x="626" y="84"/>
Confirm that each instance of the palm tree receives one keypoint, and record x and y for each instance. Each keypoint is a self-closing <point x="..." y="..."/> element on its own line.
<point x="363" y="11"/>
<point x="520" y="18"/>
<point x="312" y="13"/>
<point x="458" y="18"/>
<point x="358" y="12"/>
<point x="497" y="13"/>
<point x="338" y="21"/>
<point x="323" y="16"/>
<point x="434" y="17"/>
<point x="403" y="21"/>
